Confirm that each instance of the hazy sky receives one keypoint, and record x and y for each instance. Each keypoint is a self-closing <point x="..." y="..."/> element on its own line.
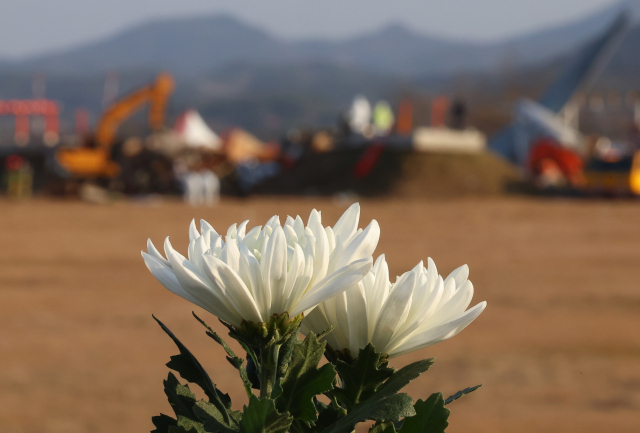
<point x="35" y="26"/>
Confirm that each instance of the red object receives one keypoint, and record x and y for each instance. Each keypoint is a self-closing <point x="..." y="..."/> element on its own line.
<point x="22" y="109"/>
<point x="439" y="108"/>
<point x="569" y="162"/>
<point x="404" y="125"/>
<point x="368" y="161"/>
<point x="13" y="162"/>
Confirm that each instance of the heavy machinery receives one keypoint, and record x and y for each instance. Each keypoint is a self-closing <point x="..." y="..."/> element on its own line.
<point x="94" y="159"/>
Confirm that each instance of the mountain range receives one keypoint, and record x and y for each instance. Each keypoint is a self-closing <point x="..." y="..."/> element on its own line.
<point x="191" y="47"/>
<point x="238" y="74"/>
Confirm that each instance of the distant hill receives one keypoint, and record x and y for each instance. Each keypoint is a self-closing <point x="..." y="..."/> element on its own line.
<point x="191" y="47"/>
<point x="238" y="75"/>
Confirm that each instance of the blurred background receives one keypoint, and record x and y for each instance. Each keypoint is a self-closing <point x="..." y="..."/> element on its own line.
<point x="501" y="134"/>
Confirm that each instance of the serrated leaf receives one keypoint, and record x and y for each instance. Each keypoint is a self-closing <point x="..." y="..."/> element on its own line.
<point x="182" y="401"/>
<point x="431" y="416"/>
<point x="361" y="379"/>
<point x="162" y="423"/>
<point x="303" y="380"/>
<point x="189" y="425"/>
<point x="199" y="415"/>
<point x="213" y="420"/>
<point x="459" y="394"/>
<point x="261" y="416"/>
<point x="190" y="369"/>
<point x="385" y="427"/>
<point x="232" y="358"/>
<point x="286" y="354"/>
<point x="180" y="396"/>
<point x="384" y="405"/>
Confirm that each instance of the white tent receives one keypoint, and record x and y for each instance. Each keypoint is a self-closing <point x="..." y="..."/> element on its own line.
<point x="194" y="132"/>
<point x="360" y="114"/>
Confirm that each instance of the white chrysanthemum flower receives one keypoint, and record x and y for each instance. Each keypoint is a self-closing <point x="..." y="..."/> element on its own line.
<point x="250" y="276"/>
<point x="420" y="309"/>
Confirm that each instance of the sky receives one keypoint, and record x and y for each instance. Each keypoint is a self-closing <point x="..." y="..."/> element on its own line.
<point x="29" y="27"/>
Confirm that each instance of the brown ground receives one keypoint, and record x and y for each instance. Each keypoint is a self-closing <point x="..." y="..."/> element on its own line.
<point x="558" y="348"/>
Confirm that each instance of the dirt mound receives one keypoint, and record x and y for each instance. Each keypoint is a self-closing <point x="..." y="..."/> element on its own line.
<point x="439" y="174"/>
<point x="393" y="172"/>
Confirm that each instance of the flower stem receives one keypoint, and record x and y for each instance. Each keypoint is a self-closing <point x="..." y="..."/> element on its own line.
<point x="268" y="369"/>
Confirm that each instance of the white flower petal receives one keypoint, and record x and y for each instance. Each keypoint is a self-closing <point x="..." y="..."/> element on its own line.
<point x="206" y="227"/>
<point x="321" y="256"/>
<point x="302" y="282"/>
<point x="167" y="278"/>
<point x="459" y="275"/>
<point x="153" y="251"/>
<point x="215" y="244"/>
<point x="252" y="277"/>
<point x="394" y="308"/>
<point x="231" y="255"/>
<point x="455" y="305"/>
<point x="314" y="217"/>
<point x="347" y="224"/>
<point x="290" y="235"/>
<point x="362" y="245"/>
<point x="296" y="270"/>
<point x="331" y="237"/>
<point x="198" y="287"/>
<point x="232" y="231"/>
<point x="298" y="226"/>
<point x="242" y="230"/>
<point x="193" y="231"/>
<point x="378" y="292"/>
<point x="441" y="332"/>
<point x="273" y="265"/>
<point x="356" y="306"/>
<point x="333" y="284"/>
<point x="251" y="239"/>
<point x="222" y="276"/>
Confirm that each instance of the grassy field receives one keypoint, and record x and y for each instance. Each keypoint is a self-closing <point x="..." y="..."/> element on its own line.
<point x="558" y="348"/>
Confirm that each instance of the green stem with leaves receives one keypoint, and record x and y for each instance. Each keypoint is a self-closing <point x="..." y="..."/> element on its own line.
<point x="268" y="369"/>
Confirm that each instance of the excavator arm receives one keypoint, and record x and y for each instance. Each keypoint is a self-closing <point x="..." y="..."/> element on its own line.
<point x="156" y="94"/>
<point x="91" y="163"/>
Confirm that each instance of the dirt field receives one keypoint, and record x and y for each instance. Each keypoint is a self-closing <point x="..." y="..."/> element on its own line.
<point x="558" y="348"/>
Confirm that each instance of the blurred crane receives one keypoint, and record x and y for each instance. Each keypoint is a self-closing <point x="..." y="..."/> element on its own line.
<point x="94" y="160"/>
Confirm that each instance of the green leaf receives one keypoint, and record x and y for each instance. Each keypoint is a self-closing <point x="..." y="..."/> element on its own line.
<point x="385" y="427"/>
<point x="232" y="358"/>
<point x="177" y="429"/>
<point x="252" y="357"/>
<point x="191" y="414"/>
<point x="252" y="372"/>
<point x="286" y="354"/>
<point x="459" y="394"/>
<point x="190" y="369"/>
<point x="213" y="420"/>
<point x="361" y="379"/>
<point x="431" y="416"/>
<point x="180" y="396"/>
<point x="162" y="423"/>
<point x="188" y="424"/>
<point x="384" y="405"/>
<point x="304" y="380"/>
<point x="261" y="416"/>
<point x="182" y="401"/>
<point x="327" y="415"/>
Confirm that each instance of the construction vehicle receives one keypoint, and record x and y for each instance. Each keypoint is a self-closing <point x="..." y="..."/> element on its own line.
<point x="94" y="159"/>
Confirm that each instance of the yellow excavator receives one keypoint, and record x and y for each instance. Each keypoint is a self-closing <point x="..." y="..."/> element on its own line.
<point x="94" y="161"/>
